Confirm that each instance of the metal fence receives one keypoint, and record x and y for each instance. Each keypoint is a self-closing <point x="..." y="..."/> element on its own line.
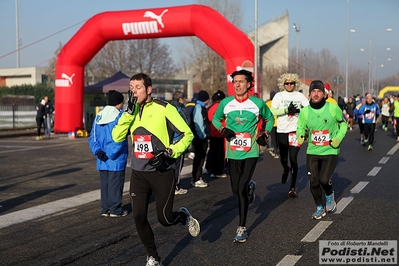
<point x="17" y="117"/>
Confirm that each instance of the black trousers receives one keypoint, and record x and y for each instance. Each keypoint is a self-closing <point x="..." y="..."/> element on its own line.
<point x="321" y="169"/>
<point x="369" y="129"/>
<point x="200" y="148"/>
<point x="241" y="172"/>
<point x="215" y="161"/>
<point x="291" y="151"/>
<point x="142" y="186"/>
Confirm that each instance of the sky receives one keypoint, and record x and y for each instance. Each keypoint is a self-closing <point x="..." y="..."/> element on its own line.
<point x="43" y="24"/>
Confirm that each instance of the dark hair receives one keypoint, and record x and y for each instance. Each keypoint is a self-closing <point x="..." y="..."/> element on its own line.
<point x="246" y="73"/>
<point x="144" y="77"/>
<point x="177" y="95"/>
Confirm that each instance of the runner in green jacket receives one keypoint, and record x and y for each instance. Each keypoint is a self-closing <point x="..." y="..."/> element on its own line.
<point x="326" y="128"/>
<point x="243" y="114"/>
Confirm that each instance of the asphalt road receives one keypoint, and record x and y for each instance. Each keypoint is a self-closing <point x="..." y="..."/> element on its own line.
<point x="49" y="212"/>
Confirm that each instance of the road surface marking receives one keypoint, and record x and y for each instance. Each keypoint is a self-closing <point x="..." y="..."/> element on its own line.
<point x="289" y="260"/>
<point x="61" y="205"/>
<point x="393" y="150"/>
<point x="384" y="160"/>
<point x="356" y="189"/>
<point x="342" y="204"/>
<point x="374" y="171"/>
<point x="316" y="231"/>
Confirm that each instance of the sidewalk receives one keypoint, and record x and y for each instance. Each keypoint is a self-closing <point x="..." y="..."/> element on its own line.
<point x="24" y="132"/>
<point x="17" y="133"/>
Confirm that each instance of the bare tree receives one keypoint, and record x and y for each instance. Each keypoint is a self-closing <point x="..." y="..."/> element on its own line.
<point x="147" y="56"/>
<point x="208" y="66"/>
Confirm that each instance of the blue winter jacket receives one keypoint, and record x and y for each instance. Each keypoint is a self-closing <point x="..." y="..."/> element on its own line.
<point x="101" y="139"/>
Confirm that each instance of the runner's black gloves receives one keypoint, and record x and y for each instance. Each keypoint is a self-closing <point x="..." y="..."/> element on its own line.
<point x="228" y="133"/>
<point x="160" y="157"/>
<point x="262" y="139"/>
<point x="101" y="155"/>
<point x="367" y="111"/>
<point x="292" y="109"/>
<point x="131" y="103"/>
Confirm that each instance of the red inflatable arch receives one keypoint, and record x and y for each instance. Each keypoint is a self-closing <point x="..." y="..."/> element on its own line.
<point x="191" y="20"/>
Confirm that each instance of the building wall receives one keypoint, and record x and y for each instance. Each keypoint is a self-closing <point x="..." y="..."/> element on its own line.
<point x="20" y="76"/>
<point x="273" y="47"/>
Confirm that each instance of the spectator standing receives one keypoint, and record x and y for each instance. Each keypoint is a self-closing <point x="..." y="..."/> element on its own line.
<point x="200" y="126"/>
<point x="242" y="114"/>
<point x="48" y="110"/>
<point x="215" y="160"/>
<point x="152" y="124"/>
<point x="40" y="114"/>
<point x="178" y="101"/>
<point x="111" y="156"/>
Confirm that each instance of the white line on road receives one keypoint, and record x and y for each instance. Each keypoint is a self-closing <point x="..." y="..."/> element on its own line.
<point x="356" y="189"/>
<point x="59" y="205"/>
<point x="51" y="207"/>
<point x="289" y="260"/>
<point x="342" y="204"/>
<point x="394" y="149"/>
<point x="316" y="231"/>
<point x="384" y="160"/>
<point x="374" y="171"/>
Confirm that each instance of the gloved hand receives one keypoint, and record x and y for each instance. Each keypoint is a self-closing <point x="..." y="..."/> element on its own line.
<point x="262" y="139"/>
<point x="292" y="109"/>
<point x="228" y="133"/>
<point x="367" y="111"/>
<point x="334" y="142"/>
<point x="160" y="157"/>
<point x="131" y="103"/>
<point x="301" y="139"/>
<point x="101" y="155"/>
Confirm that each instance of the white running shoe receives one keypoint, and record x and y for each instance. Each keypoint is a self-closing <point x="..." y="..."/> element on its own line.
<point x="181" y="191"/>
<point x="191" y="155"/>
<point x="199" y="183"/>
<point x="193" y="225"/>
<point x="241" y="235"/>
<point x="152" y="262"/>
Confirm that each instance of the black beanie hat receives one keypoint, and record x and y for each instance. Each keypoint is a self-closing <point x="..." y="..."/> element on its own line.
<point x="218" y="96"/>
<point x="202" y="96"/>
<point x="316" y="84"/>
<point x="114" y="97"/>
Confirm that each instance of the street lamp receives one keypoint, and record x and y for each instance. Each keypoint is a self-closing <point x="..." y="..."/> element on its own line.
<point x="297" y="29"/>
<point x="369" y="62"/>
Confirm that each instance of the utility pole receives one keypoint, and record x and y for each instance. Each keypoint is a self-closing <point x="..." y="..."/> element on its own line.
<point x="256" y="47"/>
<point x="17" y="30"/>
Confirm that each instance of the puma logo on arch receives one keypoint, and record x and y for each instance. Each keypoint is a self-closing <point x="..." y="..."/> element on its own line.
<point x="150" y="14"/>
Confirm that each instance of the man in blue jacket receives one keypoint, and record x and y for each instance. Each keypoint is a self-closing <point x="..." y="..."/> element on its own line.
<point x="111" y="156"/>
